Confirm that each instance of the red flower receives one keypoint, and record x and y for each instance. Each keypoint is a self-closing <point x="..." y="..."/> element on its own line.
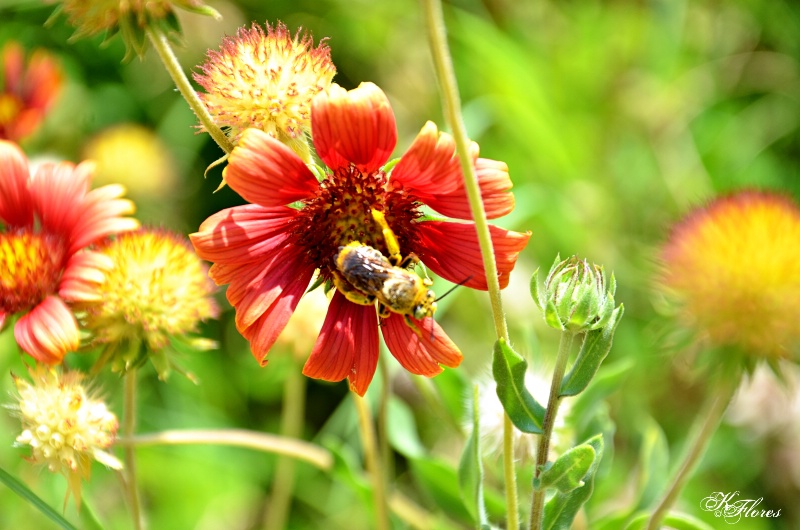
<point x="268" y="251"/>
<point x="47" y="221"/>
<point x="29" y="90"/>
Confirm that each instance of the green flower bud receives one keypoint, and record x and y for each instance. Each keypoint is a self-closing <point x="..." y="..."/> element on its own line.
<point x="575" y="296"/>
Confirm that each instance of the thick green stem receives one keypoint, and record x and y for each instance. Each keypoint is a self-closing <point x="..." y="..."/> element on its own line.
<point x="443" y="65"/>
<point x="294" y="401"/>
<point x="705" y="426"/>
<point x="373" y="463"/>
<point x="553" y="401"/>
<point x="128" y="428"/>
<point x="164" y="50"/>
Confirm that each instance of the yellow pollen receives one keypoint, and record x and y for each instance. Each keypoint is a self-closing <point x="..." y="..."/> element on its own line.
<point x="30" y="269"/>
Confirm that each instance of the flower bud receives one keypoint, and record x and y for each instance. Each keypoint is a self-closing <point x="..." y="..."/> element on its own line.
<point x="575" y="296"/>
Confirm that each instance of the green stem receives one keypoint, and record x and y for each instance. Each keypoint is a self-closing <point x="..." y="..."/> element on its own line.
<point x="292" y="416"/>
<point x="443" y="65"/>
<point x="268" y="443"/>
<point x="128" y="428"/>
<point x="706" y="424"/>
<point x="164" y="50"/>
<point x="373" y="463"/>
<point x="553" y="401"/>
<point x="383" y="421"/>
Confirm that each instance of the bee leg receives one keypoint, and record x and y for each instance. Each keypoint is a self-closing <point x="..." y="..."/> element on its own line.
<point x="392" y="246"/>
<point x="383" y="312"/>
<point x="350" y="292"/>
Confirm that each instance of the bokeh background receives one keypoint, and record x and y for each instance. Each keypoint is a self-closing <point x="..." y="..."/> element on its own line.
<point x="615" y="118"/>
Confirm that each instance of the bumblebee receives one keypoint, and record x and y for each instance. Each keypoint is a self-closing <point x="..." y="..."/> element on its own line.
<point x="364" y="275"/>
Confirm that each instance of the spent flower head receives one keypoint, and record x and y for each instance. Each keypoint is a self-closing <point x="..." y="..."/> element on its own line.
<point x="732" y="271"/>
<point x="575" y="296"/>
<point x="64" y="425"/>
<point x="130" y="18"/>
<point x="266" y="80"/>
<point x="46" y="222"/>
<point x="153" y="297"/>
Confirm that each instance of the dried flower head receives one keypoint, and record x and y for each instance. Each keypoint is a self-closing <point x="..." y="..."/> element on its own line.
<point x="65" y="427"/>
<point x="156" y="293"/>
<point x="47" y="221"/>
<point x="733" y="270"/>
<point x="28" y="90"/>
<point x="130" y="18"/>
<point x="266" y="81"/>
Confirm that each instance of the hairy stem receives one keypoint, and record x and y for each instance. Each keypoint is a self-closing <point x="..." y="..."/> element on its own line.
<point x="164" y="50"/>
<point x="128" y="428"/>
<point x="706" y="424"/>
<point x="443" y="65"/>
<point x="373" y="463"/>
<point x="553" y="401"/>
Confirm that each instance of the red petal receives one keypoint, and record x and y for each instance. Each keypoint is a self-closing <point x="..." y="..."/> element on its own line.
<point x="82" y="275"/>
<point x="58" y="191"/>
<point x="48" y="332"/>
<point x="284" y="291"/>
<point x="422" y="351"/>
<point x="101" y="210"/>
<point x="265" y="171"/>
<point x="355" y="126"/>
<point x="347" y="345"/>
<point x="451" y="250"/>
<point x="243" y="233"/>
<point x="431" y="171"/>
<point x="16" y="204"/>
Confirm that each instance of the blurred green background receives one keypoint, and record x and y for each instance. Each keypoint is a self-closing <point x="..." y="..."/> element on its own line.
<point x="614" y="118"/>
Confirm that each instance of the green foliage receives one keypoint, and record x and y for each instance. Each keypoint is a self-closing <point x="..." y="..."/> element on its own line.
<point x="470" y="470"/>
<point x="568" y="471"/>
<point x="508" y="368"/>
<point x="25" y="492"/>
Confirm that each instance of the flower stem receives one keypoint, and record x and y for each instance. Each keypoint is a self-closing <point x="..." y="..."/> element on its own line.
<point x="373" y="463"/>
<point x="268" y="443"/>
<point x="294" y="400"/>
<point x="553" y="401"/>
<point x="128" y="428"/>
<point x="443" y="65"/>
<point x="706" y="423"/>
<point x="164" y="50"/>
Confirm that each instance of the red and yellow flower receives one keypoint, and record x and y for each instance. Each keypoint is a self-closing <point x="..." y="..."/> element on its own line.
<point x="29" y="90"/>
<point x="48" y="220"/>
<point x="269" y="250"/>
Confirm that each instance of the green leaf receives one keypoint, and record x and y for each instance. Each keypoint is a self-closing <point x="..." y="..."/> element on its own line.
<point x="594" y="349"/>
<point x="402" y="429"/>
<point x="676" y="521"/>
<point x="438" y="482"/>
<point x="508" y="368"/>
<point x="567" y="472"/>
<point x="470" y="469"/>
<point x="561" y="509"/>
<point x="22" y="490"/>
<point x="653" y="463"/>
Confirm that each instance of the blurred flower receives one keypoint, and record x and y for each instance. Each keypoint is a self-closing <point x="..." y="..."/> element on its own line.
<point x="130" y="18"/>
<point x="733" y="269"/>
<point x="268" y="251"/>
<point x="28" y="90"/>
<point x="65" y="427"/>
<point x="267" y="81"/>
<point x="575" y="296"/>
<point x="156" y="293"/>
<point x="48" y="221"/>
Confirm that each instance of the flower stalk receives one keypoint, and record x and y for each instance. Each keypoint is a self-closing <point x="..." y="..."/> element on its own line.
<point x="553" y="401"/>
<point x="373" y="463"/>
<point x="128" y="428"/>
<point x="445" y="74"/>
<point x="167" y="55"/>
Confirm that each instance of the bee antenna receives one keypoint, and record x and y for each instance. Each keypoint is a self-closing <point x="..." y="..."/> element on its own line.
<point x="453" y="288"/>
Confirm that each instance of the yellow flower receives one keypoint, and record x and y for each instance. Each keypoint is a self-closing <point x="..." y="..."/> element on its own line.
<point x="267" y="81"/>
<point x="156" y="294"/>
<point x="733" y="268"/>
<point x="65" y="427"/>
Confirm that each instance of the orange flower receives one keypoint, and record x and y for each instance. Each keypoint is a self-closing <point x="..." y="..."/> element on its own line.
<point x="29" y="90"/>
<point x="733" y="268"/>
<point x="48" y="220"/>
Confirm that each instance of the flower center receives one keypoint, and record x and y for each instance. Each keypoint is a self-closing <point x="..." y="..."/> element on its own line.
<point x="342" y="212"/>
<point x="30" y="269"/>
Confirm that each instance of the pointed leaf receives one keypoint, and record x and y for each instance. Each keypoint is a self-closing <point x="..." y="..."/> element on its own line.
<point x="470" y="470"/>
<point x="567" y="472"/>
<point x="594" y="350"/>
<point x="22" y="490"/>
<point x="560" y="510"/>
<point x="508" y="368"/>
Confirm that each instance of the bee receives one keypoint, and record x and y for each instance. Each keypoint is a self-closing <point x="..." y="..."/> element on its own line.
<point x="364" y="275"/>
